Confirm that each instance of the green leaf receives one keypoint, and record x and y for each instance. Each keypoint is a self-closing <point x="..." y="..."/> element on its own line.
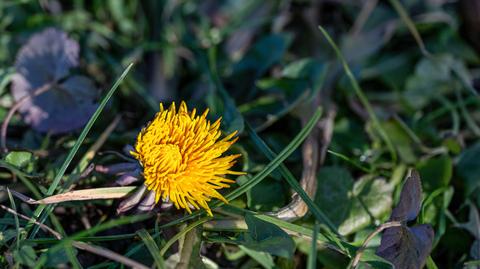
<point x="262" y="258"/>
<point x="19" y="159"/>
<point x="432" y="78"/>
<point x="374" y="261"/>
<point x="435" y="172"/>
<point x="267" y="195"/>
<point x="267" y="237"/>
<point x="57" y="258"/>
<point x="334" y="193"/>
<point x="25" y="255"/>
<point x="346" y="203"/>
<point x="266" y="52"/>
<point x="7" y="235"/>
<point x="400" y="139"/>
<point x="310" y="70"/>
<point x="152" y="248"/>
<point x="468" y="168"/>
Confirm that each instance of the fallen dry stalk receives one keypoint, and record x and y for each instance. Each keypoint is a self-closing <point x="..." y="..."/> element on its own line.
<point x="313" y="152"/>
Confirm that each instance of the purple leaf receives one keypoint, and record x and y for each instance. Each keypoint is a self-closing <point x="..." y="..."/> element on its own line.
<point x="406" y="247"/>
<point x="129" y="178"/>
<point x="148" y="202"/>
<point x="47" y="59"/>
<point x="403" y="246"/>
<point x="132" y="200"/>
<point x="410" y="199"/>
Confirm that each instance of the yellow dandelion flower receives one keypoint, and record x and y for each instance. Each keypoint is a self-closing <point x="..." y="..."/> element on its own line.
<point x="181" y="155"/>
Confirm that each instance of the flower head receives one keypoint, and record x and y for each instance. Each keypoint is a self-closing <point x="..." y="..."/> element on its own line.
<point x="181" y="154"/>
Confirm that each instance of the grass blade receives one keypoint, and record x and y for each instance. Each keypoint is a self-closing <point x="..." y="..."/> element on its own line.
<point x="152" y="247"/>
<point x="361" y="96"/>
<point x="316" y="211"/>
<point x="410" y="25"/>
<point x="182" y="233"/>
<point x="37" y="215"/>
<point x="277" y="161"/>
<point x="312" y="256"/>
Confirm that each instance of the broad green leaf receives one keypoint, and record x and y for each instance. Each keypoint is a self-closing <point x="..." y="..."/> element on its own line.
<point x="262" y="258"/>
<point x="432" y="78"/>
<point x="25" y="255"/>
<point x="308" y="69"/>
<point x="473" y="224"/>
<point x="19" y="159"/>
<point x="400" y="139"/>
<point x="266" y="52"/>
<point x="468" y="168"/>
<point x="55" y="259"/>
<point x="7" y="235"/>
<point x="435" y="172"/>
<point x="346" y="203"/>
<point x="371" y="260"/>
<point x="334" y="193"/>
<point x="267" y="237"/>
<point x="267" y="195"/>
<point x="374" y="195"/>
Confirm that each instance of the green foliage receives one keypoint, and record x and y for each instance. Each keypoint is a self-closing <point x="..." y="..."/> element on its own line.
<point x="396" y="82"/>
<point x="267" y="237"/>
<point x="351" y="205"/>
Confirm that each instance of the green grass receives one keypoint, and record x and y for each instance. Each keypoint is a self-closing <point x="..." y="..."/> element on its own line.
<point x="401" y="77"/>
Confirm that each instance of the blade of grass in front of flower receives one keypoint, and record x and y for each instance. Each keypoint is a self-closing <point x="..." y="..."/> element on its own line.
<point x="88" y="156"/>
<point x="38" y="214"/>
<point x="361" y="96"/>
<point x="289" y="149"/>
<point x="72" y="257"/>
<point x="316" y="211"/>
<point x="182" y="233"/>
<point x="152" y="247"/>
<point x="312" y="256"/>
